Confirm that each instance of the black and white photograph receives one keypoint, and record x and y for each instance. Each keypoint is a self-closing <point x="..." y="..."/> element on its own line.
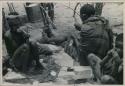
<point x="62" y="43"/>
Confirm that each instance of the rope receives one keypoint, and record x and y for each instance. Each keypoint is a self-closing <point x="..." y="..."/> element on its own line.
<point x="75" y="9"/>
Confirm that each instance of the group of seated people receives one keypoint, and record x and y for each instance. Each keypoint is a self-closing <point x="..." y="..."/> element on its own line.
<point x="93" y="46"/>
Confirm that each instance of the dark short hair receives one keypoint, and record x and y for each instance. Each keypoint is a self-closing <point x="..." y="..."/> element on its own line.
<point x="87" y="9"/>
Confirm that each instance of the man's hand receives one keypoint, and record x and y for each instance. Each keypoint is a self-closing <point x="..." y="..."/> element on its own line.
<point x="114" y="55"/>
<point x="111" y="53"/>
<point x="77" y="26"/>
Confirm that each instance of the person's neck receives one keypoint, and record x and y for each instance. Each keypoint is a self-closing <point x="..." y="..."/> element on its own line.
<point x="89" y="18"/>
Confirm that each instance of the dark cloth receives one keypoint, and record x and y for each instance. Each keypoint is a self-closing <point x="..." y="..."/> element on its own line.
<point x="11" y="44"/>
<point x="94" y="38"/>
<point x="21" y="58"/>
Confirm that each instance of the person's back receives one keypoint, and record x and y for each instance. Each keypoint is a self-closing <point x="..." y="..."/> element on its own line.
<point x="94" y="34"/>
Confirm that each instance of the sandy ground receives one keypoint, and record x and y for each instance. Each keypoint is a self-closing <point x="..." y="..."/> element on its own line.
<point x="64" y="20"/>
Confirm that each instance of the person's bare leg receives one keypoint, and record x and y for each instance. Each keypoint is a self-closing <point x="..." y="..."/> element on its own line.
<point x="94" y="62"/>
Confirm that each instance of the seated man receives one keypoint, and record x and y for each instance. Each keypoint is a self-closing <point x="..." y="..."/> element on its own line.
<point x="27" y="54"/>
<point x="110" y="68"/>
<point x="94" y="34"/>
<point x="32" y="48"/>
<point x="13" y="39"/>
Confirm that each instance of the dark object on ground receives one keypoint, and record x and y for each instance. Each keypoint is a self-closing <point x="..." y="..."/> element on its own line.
<point x="70" y="69"/>
<point x="78" y="81"/>
<point x="33" y="12"/>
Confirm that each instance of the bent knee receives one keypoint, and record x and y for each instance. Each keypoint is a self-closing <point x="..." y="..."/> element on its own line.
<point x="91" y="56"/>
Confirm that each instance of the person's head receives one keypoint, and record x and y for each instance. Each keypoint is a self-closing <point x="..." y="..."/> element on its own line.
<point x="119" y="44"/>
<point x="14" y="23"/>
<point x="86" y="11"/>
<point x="107" y="79"/>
